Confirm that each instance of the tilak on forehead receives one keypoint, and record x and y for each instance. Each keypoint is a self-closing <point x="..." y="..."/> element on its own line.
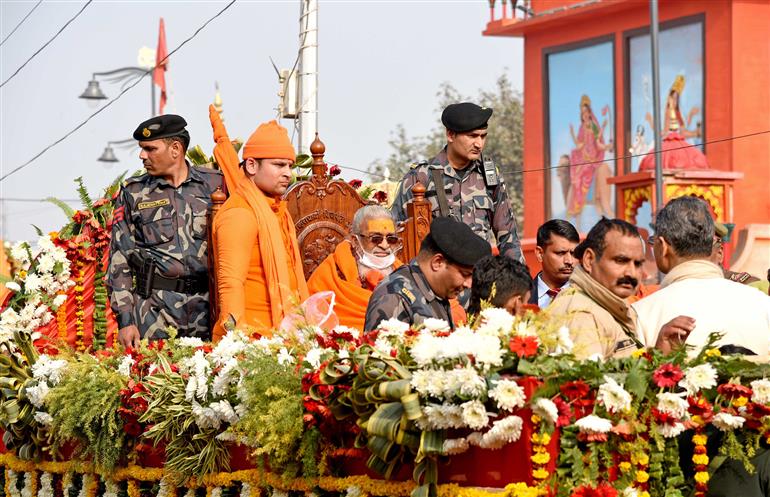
<point x="380" y="226"/>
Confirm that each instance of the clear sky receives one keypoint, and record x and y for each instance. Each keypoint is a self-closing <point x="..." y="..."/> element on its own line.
<point x="380" y="64"/>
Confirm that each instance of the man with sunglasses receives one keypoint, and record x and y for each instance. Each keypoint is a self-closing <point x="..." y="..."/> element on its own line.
<point x="423" y="288"/>
<point x="358" y="264"/>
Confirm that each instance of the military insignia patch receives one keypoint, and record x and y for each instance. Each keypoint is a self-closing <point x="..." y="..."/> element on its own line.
<point x="154" y="203"/>
<point x="118" y="214"/>
<point x="146" y="133"/>
<point x="409" y="295"/>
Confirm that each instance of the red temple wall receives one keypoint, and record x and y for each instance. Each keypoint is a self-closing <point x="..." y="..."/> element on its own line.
<point x="736" y="98"/>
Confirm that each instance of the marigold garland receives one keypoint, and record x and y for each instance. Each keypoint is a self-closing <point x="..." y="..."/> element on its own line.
<point x="540" y="456"/>
<point x="641" y="460"/>
<point x="80" y="312"/>
<point x="700" y="460"/>
<point x="257" y="480"/>
<point x="61" y="320"/>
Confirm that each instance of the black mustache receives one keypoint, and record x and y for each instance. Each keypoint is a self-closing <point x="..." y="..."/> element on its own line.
<point x="627" y="279"/>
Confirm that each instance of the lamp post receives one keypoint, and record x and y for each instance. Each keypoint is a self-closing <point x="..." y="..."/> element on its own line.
<point x="126" y="75"/>
<point x="108" y="155"/>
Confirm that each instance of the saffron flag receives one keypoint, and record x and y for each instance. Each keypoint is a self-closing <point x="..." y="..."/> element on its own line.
<point x="161" y="65"/>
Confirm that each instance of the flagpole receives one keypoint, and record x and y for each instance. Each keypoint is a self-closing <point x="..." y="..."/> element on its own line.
<point x="152" y="98"/>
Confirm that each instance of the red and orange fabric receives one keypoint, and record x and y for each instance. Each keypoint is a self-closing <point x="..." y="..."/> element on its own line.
<point x="259" y="271"/>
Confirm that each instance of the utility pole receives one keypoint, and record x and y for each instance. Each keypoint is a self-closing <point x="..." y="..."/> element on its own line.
<point x="308" y="74"/>
<point x="656" y="105"/>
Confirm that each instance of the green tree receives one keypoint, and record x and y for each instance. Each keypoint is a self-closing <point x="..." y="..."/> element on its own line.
<point x="504" y="142"/>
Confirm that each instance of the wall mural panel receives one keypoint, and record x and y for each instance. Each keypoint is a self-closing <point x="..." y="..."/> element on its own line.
<point x="580" y="126"/>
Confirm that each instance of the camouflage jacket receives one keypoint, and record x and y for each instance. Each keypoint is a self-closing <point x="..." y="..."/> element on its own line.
<point x="485" y="209"/>
<point x="154" y="219"/>
<point x="406" y="295"/>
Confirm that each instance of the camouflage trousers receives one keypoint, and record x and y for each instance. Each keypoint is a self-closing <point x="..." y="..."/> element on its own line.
<point x="188" y="314"/>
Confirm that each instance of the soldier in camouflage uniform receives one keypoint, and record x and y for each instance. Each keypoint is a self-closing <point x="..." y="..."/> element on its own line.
<point x="473" y="190"/>
<point x="158" y="265"/>
<point x="441" y="271"/>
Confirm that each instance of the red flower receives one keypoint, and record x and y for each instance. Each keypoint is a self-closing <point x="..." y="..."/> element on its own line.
<point x="380" y="196"/>
<point x="663" y="418"/>
<point x="667" y="375"/>
<point x="575" y="389"/>
<point x="733" y="390"/>
<point x="355" y="183"/>
<point x="335" y="171"/>
<point x="699" y="406"/>
<point x="565" y="413"/>
<point x="524" y="346"/>
<point x="601" y="490"/>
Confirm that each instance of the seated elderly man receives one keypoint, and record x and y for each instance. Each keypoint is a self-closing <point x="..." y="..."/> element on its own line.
<point x="358" y="264"/>
<point x="696" y="287"/>
<point x="509" y="279"/>
<point x="424" y="288"/>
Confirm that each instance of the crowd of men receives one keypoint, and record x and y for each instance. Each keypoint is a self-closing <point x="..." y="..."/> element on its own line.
<point x="158" y="266"/>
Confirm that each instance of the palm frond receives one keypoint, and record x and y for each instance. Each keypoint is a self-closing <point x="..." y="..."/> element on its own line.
<point x="68" y="211"/>
<point x="83" y="194"/>
<point x="111" y="190"/>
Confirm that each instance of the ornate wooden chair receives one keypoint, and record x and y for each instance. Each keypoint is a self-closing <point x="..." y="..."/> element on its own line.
<point x="417" y="224"/>
<point x="217" y="199"/>
<point x="322" y="209"/>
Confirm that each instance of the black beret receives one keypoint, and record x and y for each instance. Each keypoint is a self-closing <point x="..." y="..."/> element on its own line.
<point x="458" y="242"/>
<point x="164" y="126"/>
<point x="465" y="116"/>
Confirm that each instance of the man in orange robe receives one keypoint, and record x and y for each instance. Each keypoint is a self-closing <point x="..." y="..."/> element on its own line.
<point x="358" y="264"/>
<point x="259" y="271"/>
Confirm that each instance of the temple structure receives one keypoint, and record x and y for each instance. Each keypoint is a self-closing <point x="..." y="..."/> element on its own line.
<point x="588" y="111"/>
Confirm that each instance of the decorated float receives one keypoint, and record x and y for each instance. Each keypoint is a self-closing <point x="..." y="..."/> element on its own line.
<point x="497" y="407"/>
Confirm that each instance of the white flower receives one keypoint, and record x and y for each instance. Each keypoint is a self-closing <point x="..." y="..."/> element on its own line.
<point x="284" y="357"/>
<point x="87" y="481"/>
<point x="19" y="252"/>
<point x="164" y="487"/>
<point x="524" y="329"/>
<point x="495" y="321"/>
<point x="487" y="350"/>
<point x="45" y="243"/>
<point x="353" y="491"/>
<point x="47" y="369"/>
<point x="225" y="377"/>
<point x="436" y="325"/>
<point x="760" y="391"/>
<point x="383" y="346"/>
<point x="564" y="343"/>
<point x="13" y="286"/>
<point x="343" y="354"/>
<point x="393" y="326"/>
<point x="26" y="491"/>
<point x="192" y="342"/>
<point x="671" y="431"/>
<point x="279" y="493"/>
<point x="124" y="367"/>
<point x="442" y="416"/>
<point x="45" y="263"/>
<point x="475" y="415"/>
<point x="673" y="404"/>
<point x="593" y="424"/>
<point x="43" y="418"/>
<point x="546" y="409"/>
<point x="245" y="490"/>
<point x="33" y="283"/>
<point x="630" y="492"/>
<point x="46" y="485"/>
<point x="232" y="344"/>
<point x="111" y="488"/>
<point x="508" y="395"/>
<point x="37" y="394"/>
<point x="699" y="378"/>
<point x="468" y="381"/>
<point x="614" y="397"/>
<point x="454" y="446"/>
<point x="503" y="432"/>
<point x="216" y="492"/>
<point x="727" y="422"/>
<point x="346" y="329"/>
<point x="313" y="357"/>
<point x="425" y="349"/>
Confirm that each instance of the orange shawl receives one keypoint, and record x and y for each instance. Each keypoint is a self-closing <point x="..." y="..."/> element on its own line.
<point x="277" y="258"/>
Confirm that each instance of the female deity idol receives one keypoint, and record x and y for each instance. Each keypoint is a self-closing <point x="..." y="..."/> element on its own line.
<point x="678" y="153"/>
<point x="587" y="166"/>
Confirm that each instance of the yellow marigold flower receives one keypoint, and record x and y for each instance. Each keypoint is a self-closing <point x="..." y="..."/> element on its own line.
<point x="642" y="476"/>
<point x="702" y="477"/>
<point x="644" y="493"/>
<point x="545" y="439"/>
<point x="700" y="459"/>
<point x="540" y="474"/>
<point x="740" y="401"/>
<point x="541" y="458"/>
<point x="699" y="439"/>
<point x="638" y="353"/>
<point x="697" y="420"/>
<point x="713" y="353"/>
<point x="535" y="419"/>
<point x="22" y="275"/>
<point x="640" y="458"/>
<point x="624" y="466"/>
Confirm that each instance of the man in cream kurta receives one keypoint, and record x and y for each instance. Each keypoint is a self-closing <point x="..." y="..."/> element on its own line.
<point x="696" y="287"/>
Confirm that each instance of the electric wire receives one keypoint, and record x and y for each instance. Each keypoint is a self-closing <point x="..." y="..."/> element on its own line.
<point x="112" y="101"/>
<point x="21" y="22"/>
<point x="46" y="43"/>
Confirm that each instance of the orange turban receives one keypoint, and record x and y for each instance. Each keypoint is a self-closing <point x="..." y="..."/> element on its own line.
<point x="269" y="141"/>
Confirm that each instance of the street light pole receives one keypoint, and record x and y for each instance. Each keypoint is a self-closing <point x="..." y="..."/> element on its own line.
<point x="123" y="74"/>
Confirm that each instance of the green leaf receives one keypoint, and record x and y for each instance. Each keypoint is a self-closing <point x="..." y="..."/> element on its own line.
<point x="68" y="211"/>
<point x="85" y="198"/>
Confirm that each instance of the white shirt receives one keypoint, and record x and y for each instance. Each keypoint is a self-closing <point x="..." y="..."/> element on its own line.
<point x="717" y="304"/>
<point x="543" y="299"/>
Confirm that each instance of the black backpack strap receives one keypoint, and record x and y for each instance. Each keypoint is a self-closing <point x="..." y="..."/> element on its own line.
<point x="438" y="182"/>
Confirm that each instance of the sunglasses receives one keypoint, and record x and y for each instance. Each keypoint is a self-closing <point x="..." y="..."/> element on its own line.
<point x="377" y="238"/>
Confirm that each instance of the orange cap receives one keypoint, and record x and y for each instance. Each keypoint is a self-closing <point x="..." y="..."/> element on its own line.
<point x="269" y="141"/>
